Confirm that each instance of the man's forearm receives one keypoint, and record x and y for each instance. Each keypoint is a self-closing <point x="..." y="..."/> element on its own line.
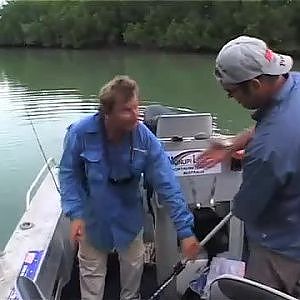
<point x="240" y="141"/>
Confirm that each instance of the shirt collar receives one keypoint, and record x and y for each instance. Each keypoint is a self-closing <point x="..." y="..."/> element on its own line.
<point x="94" y="124"/>
<point x="282" y="94"/>
<point x="285" y="90"/>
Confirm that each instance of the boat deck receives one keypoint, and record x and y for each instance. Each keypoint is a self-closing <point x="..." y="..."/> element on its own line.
<point x="112" y="286"/>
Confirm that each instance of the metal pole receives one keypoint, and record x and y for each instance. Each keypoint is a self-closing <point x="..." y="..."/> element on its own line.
<point x="182" y="264"/>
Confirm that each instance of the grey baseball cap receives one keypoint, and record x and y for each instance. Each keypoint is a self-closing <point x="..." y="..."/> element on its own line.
<point x="245" y="58"/>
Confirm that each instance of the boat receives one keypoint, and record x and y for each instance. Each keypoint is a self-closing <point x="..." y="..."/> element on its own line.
<point x="39" y="261"/>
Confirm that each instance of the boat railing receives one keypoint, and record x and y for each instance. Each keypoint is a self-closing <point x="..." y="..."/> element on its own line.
<point x="38" y="180"/>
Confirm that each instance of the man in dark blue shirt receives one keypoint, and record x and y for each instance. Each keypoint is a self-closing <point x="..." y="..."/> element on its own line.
<point x="269" y="197"/>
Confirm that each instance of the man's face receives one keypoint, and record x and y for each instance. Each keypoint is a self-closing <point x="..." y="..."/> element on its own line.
<point x="125" y="115"/>
<point x="252" y="94"/>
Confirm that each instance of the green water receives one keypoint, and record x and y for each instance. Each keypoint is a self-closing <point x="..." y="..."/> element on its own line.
<point x="56" y="87"/>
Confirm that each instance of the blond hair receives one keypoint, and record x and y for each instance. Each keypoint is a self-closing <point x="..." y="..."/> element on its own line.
<point x="121" y="88"/>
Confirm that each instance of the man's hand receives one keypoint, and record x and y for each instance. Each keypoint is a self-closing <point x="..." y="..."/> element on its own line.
<point x="214" y="155"/>
<point x="190" y="247"/>
<point x="77" y="232"/>
<point x="219" y="152"/>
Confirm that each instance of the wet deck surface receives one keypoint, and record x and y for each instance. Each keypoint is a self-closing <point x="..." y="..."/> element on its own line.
<point x="112" y="286"/>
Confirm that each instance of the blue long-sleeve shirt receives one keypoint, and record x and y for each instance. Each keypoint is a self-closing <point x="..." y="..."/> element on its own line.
<point x="269" y="197"/>
<point x="114" y="213"/>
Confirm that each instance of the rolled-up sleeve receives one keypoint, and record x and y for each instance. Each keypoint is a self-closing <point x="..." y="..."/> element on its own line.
<point x="71" y="175"/>
<point x="264" y="172"/>
<point x="159" y="173"/>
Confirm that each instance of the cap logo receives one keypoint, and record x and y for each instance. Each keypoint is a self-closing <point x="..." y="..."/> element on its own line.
<point x="269" y="55"/>
<point x="282" y="61"/>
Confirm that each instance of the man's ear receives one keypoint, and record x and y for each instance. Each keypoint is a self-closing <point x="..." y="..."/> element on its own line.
<point x="255" y="85"/>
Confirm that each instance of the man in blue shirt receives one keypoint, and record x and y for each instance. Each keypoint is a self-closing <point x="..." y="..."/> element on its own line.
<point x="100" y="170"/>
<point x="269" y="197"/>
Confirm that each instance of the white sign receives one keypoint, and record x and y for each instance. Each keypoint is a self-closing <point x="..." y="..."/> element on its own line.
<point x="184" y="163"/>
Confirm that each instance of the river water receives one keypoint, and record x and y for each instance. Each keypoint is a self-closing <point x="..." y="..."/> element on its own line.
<point x="55" y="87"/>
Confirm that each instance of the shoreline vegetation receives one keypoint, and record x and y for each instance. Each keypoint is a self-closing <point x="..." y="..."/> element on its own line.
<point x="182" y="26"/>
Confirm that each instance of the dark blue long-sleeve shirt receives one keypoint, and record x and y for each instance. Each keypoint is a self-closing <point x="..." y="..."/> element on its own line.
<point x="269" y="197"/>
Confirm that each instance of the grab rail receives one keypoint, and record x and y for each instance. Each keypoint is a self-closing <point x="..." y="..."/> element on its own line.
<point x="37" y="181"/>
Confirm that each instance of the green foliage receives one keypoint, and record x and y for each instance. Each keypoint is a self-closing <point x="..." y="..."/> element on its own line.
<point x="182" y="25"/>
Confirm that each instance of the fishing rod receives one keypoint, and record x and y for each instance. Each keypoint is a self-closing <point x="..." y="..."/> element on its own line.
<point x="179" y="267"/>
<point x="42" y="150"/>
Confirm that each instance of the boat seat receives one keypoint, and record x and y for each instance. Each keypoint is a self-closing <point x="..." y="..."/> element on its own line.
<point x="153" y="112"/>
<point x="229" y="287"/>
<point x="151" y="117"/>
